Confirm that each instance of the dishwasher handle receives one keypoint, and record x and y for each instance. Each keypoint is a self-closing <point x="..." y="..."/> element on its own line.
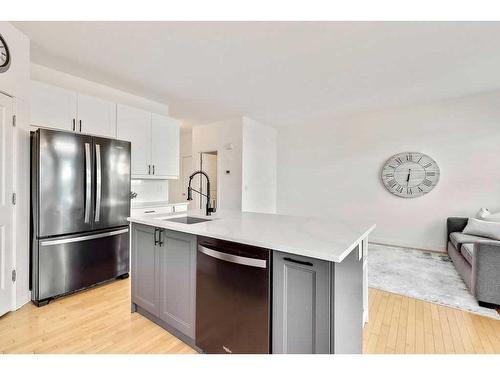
<point x="252" y="262"/>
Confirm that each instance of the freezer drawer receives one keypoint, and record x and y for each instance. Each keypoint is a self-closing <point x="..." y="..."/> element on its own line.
<point x="70" y="263"/>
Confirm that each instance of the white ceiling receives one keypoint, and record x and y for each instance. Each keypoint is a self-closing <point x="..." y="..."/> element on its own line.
<point x="280" y="73"/>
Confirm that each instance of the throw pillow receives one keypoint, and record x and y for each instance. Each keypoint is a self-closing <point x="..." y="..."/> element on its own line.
<point x="483" y="228"/>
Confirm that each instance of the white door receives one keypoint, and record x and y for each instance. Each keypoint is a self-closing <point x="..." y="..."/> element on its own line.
<point x="209" y="166"/>
<point x="6" y="207"/>
<point x="134" y="125"/>
<point x="96" y="116"/>
<point x="165" y="137"/>
<point x="53" y="107"/>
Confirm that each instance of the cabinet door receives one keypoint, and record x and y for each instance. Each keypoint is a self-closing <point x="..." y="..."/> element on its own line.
<point x="52" y="107"/>
<point x="134" y="125"/>
<point x="178" y="281"/>
<point x="165" y="146"/>
<point x="145" y="291"/>
<point x="301" y="304"/>
<point x="96" y="116"/>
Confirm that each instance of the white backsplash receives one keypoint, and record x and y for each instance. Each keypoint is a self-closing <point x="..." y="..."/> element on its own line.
<point x="150" y="191"/>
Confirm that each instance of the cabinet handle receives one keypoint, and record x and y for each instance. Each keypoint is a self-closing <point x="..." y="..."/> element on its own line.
<point x="74" y="124"/>
<point x="149" y="212"/>
<point x="80" y="126"/>
<point x="160" y="239"/>
<point x="149" y="169"/>
<point x="298" y="261"/>
<point x="153" y="169"/>
<point x="156" y="231"/>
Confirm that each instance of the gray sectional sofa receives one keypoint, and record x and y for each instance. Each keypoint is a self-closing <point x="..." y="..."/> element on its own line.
<point x="477" y="260"/>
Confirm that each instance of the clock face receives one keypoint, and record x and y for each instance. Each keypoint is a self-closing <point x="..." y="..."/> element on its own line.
<point x="410" y="174"/>
<point x="4" y="55"/>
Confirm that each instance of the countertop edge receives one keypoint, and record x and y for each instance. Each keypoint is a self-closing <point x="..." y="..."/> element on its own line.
<point x="290" y="250"/>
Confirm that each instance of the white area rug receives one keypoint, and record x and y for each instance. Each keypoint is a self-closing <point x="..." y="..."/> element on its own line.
<point x="422" y="275"/>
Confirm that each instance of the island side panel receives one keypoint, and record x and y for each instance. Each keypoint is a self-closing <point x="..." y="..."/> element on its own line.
<point x="364" y="247"/>
<point x="301" y="305"/>
<point x="347" y="304"/>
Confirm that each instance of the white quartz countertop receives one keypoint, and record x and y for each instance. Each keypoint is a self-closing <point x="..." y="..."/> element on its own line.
<point x="325" y="239"/>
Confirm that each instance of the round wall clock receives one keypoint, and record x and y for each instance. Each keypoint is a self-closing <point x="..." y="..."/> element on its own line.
<point x="4" y="55"/>
<point x="410" y="174"/>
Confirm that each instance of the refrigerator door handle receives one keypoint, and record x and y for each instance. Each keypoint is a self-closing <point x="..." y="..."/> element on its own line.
<point x="88" y="182"/>
<point x="98" y="183"/>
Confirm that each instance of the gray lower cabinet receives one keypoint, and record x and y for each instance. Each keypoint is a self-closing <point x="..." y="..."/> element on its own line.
<point x="178" y="281"/>
<point x="145" y="287"/>
<point x="301" y="304"/>
<point x="317" y="305"/>
<point x="164" y="277"/>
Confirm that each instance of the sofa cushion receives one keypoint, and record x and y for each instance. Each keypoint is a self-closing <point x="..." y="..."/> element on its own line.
<point x="458" y="239"/>
<point x="467" y="251"/>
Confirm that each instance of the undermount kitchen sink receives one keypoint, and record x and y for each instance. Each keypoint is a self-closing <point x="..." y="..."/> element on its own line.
<point x="187" y="220"/>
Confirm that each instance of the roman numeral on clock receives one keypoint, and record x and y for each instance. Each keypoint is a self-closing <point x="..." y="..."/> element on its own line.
<point x="430" y="173"/>
<point x="392" y="183"/>
<point x="409" y="157"/>
<point x="427" y="165"/>
<point x="427" y="182"/>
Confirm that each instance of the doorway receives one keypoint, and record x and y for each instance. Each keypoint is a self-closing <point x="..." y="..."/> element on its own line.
<point x="208" y="164"/>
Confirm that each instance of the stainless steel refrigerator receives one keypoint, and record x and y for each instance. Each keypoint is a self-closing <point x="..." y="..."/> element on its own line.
<point x="80" y="201"/>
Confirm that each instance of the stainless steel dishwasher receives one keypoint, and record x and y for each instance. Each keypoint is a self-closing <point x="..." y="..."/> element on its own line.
<point x="232" y="297"/>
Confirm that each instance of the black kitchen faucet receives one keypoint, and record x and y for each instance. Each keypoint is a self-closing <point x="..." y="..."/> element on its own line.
<point x="209" y="209"/>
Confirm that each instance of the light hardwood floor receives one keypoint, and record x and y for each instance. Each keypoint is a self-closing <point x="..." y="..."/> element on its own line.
<point x="99" y="321"/>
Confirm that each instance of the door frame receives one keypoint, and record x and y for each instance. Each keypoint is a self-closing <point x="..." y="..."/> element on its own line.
<point x="13" y="214"/>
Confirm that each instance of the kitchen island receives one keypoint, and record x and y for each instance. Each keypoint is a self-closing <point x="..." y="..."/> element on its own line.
<point x="316" y="293"/>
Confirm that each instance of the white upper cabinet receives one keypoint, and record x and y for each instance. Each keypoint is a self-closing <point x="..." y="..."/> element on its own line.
<point x="134" y="125"/>
<point x="96" y="116"/>
<point x="58" y="108"/>
<point x="53" y="107"/>
<point x="155" y="142"/>
<point x="154" y="138"/>
<point x="165" y="146"/>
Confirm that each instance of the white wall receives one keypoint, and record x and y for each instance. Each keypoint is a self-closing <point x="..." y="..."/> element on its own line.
<point x="259" y="167"/>
<point x="149" y="192"/>
<point x="176" y="188"/>
<point x="217" y="136"/>
<point x="332" y="169"/>
<point x="15" y="82"/>
<point x="70" y="82"/>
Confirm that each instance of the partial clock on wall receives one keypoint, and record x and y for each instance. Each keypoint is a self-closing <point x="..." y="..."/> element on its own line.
<point x="410" y="174"/>
<point x="4" y="55"/>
